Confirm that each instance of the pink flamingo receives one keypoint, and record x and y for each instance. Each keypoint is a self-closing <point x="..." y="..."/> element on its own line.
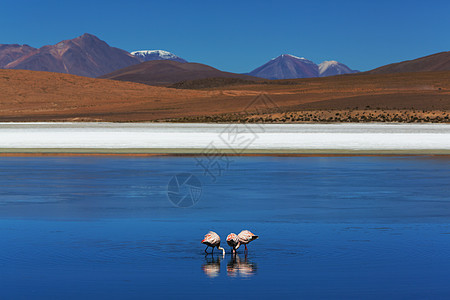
<point x="212" y="240"/>
<point x="233" y="242"/>
<point x="245" y="237"/>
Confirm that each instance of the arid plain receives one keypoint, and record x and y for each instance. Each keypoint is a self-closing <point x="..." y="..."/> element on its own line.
<point x="28" y="96"/>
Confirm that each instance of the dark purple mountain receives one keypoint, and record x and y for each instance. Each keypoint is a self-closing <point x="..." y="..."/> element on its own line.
<point x="86" y="55"/>
<point x="287" y="66"/>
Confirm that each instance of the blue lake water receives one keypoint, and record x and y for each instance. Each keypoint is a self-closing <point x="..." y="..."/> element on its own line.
<point x="329" y="227"/>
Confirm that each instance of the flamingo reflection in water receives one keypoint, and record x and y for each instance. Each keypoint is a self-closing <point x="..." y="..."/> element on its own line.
<point x="211" y="267"/>
<point x="240" y="268"/>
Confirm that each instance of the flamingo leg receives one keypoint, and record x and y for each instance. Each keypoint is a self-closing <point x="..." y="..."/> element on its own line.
<point x="246" y="247"/>
<point x="206" y="249"/>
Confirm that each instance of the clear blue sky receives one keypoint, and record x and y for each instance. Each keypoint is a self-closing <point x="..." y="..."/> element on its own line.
<point x="239" y="36"/>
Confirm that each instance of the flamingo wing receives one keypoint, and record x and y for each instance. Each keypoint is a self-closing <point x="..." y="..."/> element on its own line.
<point x="246" y="236"/>
<point x="232" y="240"/>
<point x="212" y="239"/>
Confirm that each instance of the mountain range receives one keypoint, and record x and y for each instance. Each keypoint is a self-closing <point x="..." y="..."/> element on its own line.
<point x="85" y="55"/>
<point x="89" y="56"/>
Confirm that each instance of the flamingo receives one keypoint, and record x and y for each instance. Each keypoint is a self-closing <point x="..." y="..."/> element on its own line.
<point x="212" y="240"/>
<point x="233" y="242"/>
<point x="245" y="237"/>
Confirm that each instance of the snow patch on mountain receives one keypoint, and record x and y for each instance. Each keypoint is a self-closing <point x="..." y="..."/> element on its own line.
<point x="292" y="56"/>
<point x="332" y="67"/>
<point x="326" y="64"/>
<point x="147" y="55"/>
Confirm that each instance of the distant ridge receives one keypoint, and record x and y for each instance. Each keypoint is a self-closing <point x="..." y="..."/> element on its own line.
<point x="167" y="72"/>
<point x="435" y="62"/>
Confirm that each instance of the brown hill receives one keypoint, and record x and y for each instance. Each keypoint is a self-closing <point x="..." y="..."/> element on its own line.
<point x="45" y="96"/>
<point x="86" y="55"/>
<point x="166" y="72"/>
<point x="436" y="62"/>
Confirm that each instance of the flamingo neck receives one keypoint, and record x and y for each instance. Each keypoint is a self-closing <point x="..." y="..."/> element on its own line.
<point x="237" y="246"/>
<point x="223" y="250"/>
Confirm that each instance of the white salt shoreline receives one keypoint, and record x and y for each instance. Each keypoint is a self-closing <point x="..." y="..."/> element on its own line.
<point x="229" y="138"/>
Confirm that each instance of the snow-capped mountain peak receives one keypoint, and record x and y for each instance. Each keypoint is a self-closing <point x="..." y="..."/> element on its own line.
<point x="287" y="66"/>
<point x="161" y="53"/>
<point x="332" y="67"/>
<point x="289" y="55"/>
<point x="327" y="64"/>
<point x="146" y="55"/>
<point x="292" y="56"/>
